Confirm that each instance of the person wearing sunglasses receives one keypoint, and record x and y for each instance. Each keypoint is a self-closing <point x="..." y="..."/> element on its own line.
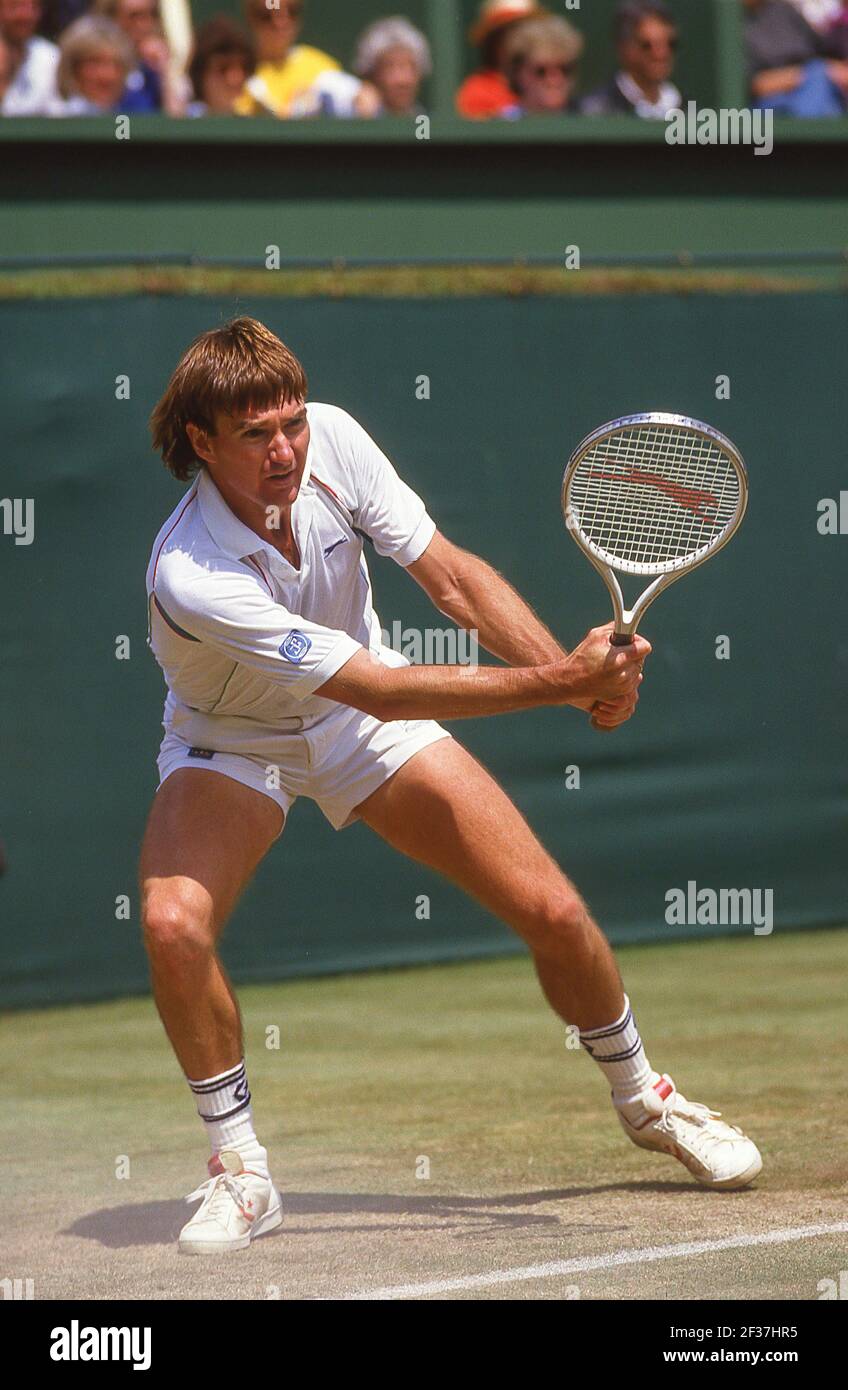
<point x="541" y="57"/>
<point x="486" y="91"/>
<point x="646" y="42"/>
<point x="286" y="69"/>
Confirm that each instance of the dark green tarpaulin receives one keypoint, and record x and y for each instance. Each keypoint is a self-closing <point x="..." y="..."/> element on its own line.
<point x="733" y="773"/>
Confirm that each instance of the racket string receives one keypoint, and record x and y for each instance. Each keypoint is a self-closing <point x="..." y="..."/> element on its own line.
<point x="654" y="497"/>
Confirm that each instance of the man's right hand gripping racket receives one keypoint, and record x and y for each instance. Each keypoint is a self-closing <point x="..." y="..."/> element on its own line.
<point x="653" y="495"/>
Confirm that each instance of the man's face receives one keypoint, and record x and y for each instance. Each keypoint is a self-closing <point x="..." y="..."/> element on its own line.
<point x="19" y="19"/>
<point x="223" y="80"/>
<point x="396" y="77"/>
<point x="256" y="459"/>
<point x="275" y="29"/>
<point x="649" y="55"/>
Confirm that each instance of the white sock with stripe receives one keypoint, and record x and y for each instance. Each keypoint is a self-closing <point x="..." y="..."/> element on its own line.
<point x="619" y="1052"/>
<point x="223" y="1103"/>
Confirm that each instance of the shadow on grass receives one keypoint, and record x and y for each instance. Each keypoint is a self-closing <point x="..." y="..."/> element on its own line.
<point x="159" y="1223"/>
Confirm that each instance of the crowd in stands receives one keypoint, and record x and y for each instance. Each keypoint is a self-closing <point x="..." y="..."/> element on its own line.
<point x="92" y="57"/>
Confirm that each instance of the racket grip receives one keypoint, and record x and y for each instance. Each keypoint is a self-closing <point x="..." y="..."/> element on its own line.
<point x="621" y="639"/>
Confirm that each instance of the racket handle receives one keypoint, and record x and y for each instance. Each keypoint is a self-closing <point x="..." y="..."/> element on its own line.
<point x="621" y="639"/>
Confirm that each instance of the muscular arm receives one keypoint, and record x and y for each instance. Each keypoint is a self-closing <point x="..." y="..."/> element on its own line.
<point x="443" y="692"/>
<point x="470" y="592"/>
<point x="474" y="596"/>
<point x="595" y="671"/>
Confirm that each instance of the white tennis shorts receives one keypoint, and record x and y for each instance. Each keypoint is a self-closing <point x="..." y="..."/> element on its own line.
<point x="337" y="762"/>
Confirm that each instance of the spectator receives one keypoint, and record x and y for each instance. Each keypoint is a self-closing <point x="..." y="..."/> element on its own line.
<point x="788" y="62"/>
<point x="394" y="58"/>
<point x="286" y="69"/>
<point x="34" y="61"/>
<point x="487" y="92"/>
<point x="541" y="57"/>
<point x="645" y="37"/>
<point x="147" y="84"/>
<point x="96" y="59"/>
<point x="336" y="94"/>
<point x="222" y="60"/>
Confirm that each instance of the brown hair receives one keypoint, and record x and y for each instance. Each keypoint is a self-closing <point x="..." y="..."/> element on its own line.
<point x="219" y="37"/>
<point x="240" y="366"/>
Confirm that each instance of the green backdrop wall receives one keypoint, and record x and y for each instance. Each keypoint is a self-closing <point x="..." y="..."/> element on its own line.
<point x="733" y="772"/>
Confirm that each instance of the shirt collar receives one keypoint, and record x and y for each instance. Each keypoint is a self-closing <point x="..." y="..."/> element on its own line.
<point x="669" y="97"/>
<point x="230" y="534"/>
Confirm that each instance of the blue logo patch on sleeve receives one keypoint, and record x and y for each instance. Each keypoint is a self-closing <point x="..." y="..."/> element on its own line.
<point x="295" y="647"/>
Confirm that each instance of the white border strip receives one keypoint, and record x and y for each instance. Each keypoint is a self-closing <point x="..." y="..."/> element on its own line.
<point x="585" y="1265"/>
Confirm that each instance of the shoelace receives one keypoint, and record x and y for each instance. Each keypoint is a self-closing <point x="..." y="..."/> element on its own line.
<point x="215" y="1192"/>
<point x="699" y="1115"/>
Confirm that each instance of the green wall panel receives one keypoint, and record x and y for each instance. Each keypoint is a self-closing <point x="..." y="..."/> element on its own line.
<point x="733" y="774"/>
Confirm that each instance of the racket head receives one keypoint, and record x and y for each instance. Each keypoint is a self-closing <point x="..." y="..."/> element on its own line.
<point x="654" y="494"/>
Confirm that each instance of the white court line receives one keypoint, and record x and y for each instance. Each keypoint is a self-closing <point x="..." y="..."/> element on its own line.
<point x="588" y="1263"/>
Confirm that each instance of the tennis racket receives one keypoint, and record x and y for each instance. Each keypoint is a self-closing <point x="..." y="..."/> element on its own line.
<point x="653" y="495"/>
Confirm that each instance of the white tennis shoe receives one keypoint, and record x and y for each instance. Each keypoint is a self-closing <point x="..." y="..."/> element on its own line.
<point x="717" y="1154"/>
<point x="236" y="1207"/>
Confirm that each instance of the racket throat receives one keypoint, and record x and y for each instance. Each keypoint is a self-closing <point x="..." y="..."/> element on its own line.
<point x="626" y="619"/>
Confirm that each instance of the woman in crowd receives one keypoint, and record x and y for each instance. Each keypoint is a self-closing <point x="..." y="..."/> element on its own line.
<point x="222" y="60"/>
<point x="95" y="58"/>
<point x="487" y="92"/>
<point x="541" y="58"/>
<point x="393" y="58"/>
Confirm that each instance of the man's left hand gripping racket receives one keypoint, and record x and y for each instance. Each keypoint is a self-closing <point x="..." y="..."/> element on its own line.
<point x="653" y="495"/>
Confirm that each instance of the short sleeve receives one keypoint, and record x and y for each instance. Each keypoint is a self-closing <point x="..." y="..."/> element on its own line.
<point x="387" y="510"/>
<point x="229" y="610"/>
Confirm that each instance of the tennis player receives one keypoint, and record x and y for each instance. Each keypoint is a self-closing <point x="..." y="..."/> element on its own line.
<point x="279" y="686"/>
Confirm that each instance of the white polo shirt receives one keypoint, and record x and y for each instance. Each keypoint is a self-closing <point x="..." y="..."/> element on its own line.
<point x="243" y="638"/>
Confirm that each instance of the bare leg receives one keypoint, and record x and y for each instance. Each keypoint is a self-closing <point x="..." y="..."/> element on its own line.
<point x="444" y="810"/>
<point x="205" y="836"/>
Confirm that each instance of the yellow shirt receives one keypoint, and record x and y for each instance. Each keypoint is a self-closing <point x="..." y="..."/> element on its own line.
<point x="275" y="86"/>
